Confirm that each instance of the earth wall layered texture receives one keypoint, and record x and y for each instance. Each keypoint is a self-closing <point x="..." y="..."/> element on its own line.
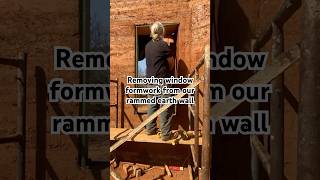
<point x="193" y="35"/>
<point x="35" y="27"/>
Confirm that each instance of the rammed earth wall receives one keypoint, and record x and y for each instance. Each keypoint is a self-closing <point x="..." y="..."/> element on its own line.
<point x="35" y="27"/>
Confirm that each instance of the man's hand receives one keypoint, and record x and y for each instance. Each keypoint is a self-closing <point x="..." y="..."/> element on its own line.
<point x="168" y="40"/>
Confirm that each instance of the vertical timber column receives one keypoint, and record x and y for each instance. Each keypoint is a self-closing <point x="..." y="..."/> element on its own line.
<point x="84" y="8"/>
<point x="309" y="110"/>
<point x="196" y="126"/>
<point x="122" y="104"/>
<point x="21" y="115"/>
<point x="277" y="111"/>
<point x="254" y="157"/>
<point x="206" y="145"/>
<point x="189" y="115"/>
<point x="117" y="113"/>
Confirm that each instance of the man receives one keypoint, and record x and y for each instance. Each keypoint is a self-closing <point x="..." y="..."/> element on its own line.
<point x="157" y="52"/>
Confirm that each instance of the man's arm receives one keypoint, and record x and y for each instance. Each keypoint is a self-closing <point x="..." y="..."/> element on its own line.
<point x="170" y="57"/>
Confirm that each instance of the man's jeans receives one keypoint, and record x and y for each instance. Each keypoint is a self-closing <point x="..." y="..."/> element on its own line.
<point x="165" y="118"/>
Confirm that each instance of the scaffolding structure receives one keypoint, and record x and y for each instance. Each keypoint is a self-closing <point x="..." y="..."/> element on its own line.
<point x="193" y="112"/>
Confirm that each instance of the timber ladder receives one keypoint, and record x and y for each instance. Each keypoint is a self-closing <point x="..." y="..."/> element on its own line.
<point x="19" y="138"/>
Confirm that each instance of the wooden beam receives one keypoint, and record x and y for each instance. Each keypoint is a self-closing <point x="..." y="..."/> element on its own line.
<point x="287" y="9"/>
<point x="277" y="110"/>
<point x="308" y="162"/>
<point x="10" y="61"/>
<point x="138" y="129"/>
<point x="282" y="62"/>
<point x="21" y="115"/>
<point x="206" y="135"/>
<point x="10" y="139"/>
<point x="255" y="164"/>
<point x="195" y="148"/>
<point x="119" y="133"/>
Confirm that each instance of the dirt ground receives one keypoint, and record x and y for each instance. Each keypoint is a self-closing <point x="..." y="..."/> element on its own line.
<point x="152" y="172"/>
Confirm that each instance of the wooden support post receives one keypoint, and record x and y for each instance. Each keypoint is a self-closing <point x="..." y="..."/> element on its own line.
<point x="189" y="115"/>
<point x="309" y="113"/>
<point x="117" y="106"/>
<point x="192" y="116"/>
<point x="122" y="112"/>
<point x="277" y="110"/>
<point x="41" y="125"/>
<point x="195" y="112"/>
<point x="254" y="156"/>
<point x="196" y="128"/>
<point x="21" y="115"/>
<point x="206" y="142"/>
<point x="84" y="23"/>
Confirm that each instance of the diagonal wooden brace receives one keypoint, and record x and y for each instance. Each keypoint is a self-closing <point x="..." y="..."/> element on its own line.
<point x="271" y="71"/>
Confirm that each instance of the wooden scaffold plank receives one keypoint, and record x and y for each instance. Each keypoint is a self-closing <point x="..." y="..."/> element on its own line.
<point x="118" y="133"/>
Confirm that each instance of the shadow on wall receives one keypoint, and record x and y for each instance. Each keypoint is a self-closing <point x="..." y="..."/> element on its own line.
<point x="42" y="163"/>
<point x="44" y="169"/>
<point x="232" y="153"/>
<point x="233" y="24"/>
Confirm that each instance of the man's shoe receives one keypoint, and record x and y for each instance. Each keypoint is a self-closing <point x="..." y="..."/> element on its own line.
<point x="149" y="133"/>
